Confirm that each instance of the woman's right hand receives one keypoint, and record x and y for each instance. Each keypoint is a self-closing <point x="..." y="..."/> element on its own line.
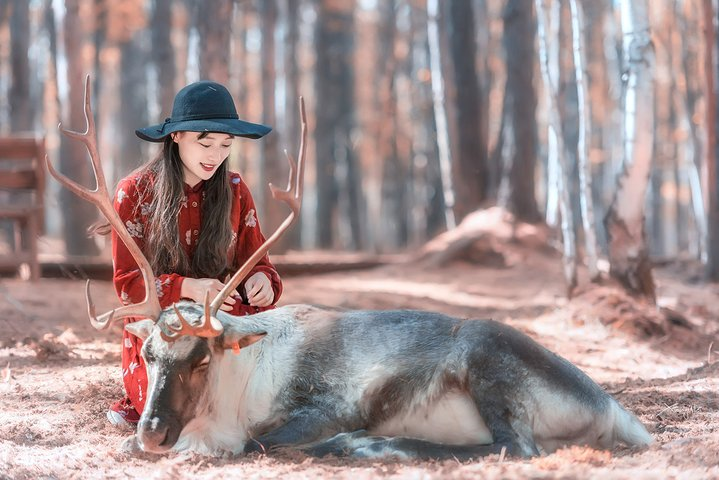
<point x="196" y="289"/>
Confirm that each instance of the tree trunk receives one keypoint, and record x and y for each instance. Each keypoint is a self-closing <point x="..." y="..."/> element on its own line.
<point x="21" y="108"/>
<point x="712" y="144"/>
<point x="519" y="53"/>
<point x="556" y="146"/>
<point x="163" y="55"/>
<point x="78" y="214"/>
<point x="440" y="111"/>
<point x="628" y="257"/>
<point x="133" y="107"/>
<point x="289" y="14"/>
<point x="470" y="165"/>
<point x="214" y="26"/>
<point x="393" y="210"/>
<point x="337" y="187"/>
<point x="428" y="204"/>
<point x="585" y="138"/>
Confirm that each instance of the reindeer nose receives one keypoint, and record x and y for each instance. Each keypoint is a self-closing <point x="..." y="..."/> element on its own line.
<point x="152" y="434"/>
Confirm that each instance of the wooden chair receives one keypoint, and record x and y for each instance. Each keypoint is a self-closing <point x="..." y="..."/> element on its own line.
<point x="22" y="192"/>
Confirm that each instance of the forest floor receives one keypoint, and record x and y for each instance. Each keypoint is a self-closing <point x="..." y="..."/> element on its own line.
<point x="58" y="375"/>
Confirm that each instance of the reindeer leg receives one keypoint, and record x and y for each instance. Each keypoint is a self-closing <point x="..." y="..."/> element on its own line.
<point x="304" y="426"/>
<point x="361" y="445"/>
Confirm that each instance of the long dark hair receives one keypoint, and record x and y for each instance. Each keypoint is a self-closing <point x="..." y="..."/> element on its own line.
<point x="163" y="246"/>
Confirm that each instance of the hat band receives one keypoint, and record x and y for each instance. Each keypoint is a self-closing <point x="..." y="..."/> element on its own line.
<point x="203" y="116"/>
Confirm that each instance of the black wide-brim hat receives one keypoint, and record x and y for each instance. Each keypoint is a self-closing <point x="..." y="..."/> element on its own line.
<point x="203" y="107"/>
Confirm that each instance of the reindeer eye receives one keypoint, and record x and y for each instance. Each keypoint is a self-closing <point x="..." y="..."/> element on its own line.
<point x="203" y="364"/>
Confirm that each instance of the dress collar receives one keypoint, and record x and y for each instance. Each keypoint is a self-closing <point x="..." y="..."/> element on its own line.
<point x="197" y="188"/>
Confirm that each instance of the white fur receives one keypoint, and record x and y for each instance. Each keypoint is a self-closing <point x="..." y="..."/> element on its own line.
<point x="451" y="419"/>
<point x="243" y="387"/>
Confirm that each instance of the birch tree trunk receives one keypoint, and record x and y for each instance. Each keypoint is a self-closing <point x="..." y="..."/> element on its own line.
<point x="628" y="258"/>
<point x="557" y="147"/>
<point x="585" y="137"/>
<point x="440" y="113"/>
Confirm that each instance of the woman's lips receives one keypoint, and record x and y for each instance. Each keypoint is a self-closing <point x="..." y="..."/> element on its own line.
<point x="207" y="167"/>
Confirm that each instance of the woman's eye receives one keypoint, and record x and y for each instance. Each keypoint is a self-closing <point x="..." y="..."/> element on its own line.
<point x="226" y="146"/>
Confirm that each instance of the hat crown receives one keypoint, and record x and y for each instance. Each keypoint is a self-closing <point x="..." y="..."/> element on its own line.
<point x="203" y="100"/>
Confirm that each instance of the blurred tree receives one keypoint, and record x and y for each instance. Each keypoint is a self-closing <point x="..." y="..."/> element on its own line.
<point x="126" y="30"/>
<point x="78" y="214"/>
<point x="442" y="117"/>
<point x="546" y="23"/>
<point x="338" y="180"/>
<point x="628" y="257"/>
<point x="469" y="166"/>
<point x="392" y="214"/>
<point x="214" y="25"/>
<point x="163" y="54"/>
<point x="520" y="104"/>
<point x="21" y="102"/>
<point x="289" y="111"/>
<point x="272" y="166"/>
<point x="584" y="141"/>
<point x="712" y="157"/>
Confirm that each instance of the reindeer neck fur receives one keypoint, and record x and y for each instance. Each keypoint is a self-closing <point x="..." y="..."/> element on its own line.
<point x="242" y="388"/>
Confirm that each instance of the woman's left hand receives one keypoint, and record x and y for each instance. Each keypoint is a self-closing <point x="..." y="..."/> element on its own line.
<point x="259" y="290"/>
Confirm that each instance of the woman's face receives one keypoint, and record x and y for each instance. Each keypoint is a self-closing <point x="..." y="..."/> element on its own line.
<point x="201" y="156"/>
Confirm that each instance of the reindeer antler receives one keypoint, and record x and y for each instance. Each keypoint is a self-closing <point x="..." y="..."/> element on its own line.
<point x="292" y="196"/>
<point x="150" y="307"/>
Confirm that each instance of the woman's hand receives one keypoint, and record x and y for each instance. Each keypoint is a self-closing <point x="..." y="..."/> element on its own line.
<point x="196" y="289"/>
<point x="259" y="290"/>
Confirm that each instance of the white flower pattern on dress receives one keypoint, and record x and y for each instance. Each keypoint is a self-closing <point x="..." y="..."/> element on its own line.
<point x="250" y="220"/>
<point x="183" y="202"/>
<point x="159" y="284"/>
<point x="188" y="237"/>
<point x="134" y="228"/>
<point x="145" y="209"/>
<point x="128" y="343"/>
<point x="124" y="298"/>
<point x="121" y="195"/>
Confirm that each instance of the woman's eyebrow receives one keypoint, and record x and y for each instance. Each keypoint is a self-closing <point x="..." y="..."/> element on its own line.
<point x="212" y="137"/>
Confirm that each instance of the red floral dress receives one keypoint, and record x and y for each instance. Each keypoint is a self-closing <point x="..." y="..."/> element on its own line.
<point x="133" y="209"/>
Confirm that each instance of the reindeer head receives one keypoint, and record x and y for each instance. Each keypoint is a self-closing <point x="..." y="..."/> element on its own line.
<point x="181" y="368"/>
<point x="181" y="341"/>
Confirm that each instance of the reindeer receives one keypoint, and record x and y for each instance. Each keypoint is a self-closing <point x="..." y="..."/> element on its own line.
<point x="408" y="384"/>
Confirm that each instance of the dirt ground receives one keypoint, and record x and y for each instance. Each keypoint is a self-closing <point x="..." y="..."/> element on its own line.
<point x="58" y="375"/>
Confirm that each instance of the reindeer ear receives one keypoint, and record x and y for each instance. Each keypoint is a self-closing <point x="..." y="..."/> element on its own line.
<point x="141" y="328"/>
<point x="237" y="341"/>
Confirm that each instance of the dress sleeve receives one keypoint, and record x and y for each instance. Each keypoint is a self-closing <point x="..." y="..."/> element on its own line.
<point x="249" y="239"/>
<point x="127" y="277"/>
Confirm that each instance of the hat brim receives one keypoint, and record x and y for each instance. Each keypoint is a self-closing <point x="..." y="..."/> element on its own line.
<point x="231" y="126"/>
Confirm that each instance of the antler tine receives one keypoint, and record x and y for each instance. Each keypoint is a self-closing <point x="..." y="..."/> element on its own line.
<point x="209" y="326"/>
<point x="292" y="196"/>
<point x="150" y="307"/>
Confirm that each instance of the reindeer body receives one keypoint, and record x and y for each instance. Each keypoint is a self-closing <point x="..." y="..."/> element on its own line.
<point x="378" y="383"/>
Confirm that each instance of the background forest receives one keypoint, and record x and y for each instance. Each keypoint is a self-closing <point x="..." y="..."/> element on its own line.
<point x="593" y="117"/>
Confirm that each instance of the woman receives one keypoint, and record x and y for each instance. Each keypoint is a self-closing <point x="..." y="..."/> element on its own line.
<point x="194" y="220"/>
